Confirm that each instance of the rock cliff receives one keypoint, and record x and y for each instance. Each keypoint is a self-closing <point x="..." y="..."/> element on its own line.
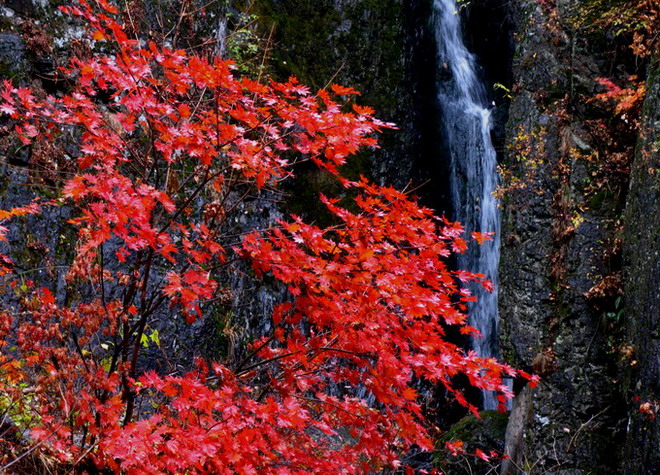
<point x="641" y="252"/>
<point x="563" y="306"/>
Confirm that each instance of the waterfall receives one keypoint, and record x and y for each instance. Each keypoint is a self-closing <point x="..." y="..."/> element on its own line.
<point x="473" y="165"/>
<point x="221" y="35"/>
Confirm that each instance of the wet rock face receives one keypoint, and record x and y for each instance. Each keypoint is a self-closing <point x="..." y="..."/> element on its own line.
<point x="34" y="239"/>
<point x="22" y="7"/>
<point x="485" y="433"/>
<point x="555" y="252"/>
<point x="642" y="287"/>
<point x="489" y="28"/>
<point x="382" y="48"/>
<point x="12" y="52"/>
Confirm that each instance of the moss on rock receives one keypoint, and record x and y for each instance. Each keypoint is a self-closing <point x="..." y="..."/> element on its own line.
<point x="485" y="433"/>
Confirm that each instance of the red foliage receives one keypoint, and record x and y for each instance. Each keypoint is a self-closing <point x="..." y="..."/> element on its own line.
<point x="373" y="294"/>
<point x="625" y="100"/>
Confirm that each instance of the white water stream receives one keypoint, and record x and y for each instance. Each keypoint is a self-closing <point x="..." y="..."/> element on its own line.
<point x="467" y="124"/>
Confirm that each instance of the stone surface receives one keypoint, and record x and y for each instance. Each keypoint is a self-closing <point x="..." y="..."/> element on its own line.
<point x="383" y="49"/>
<point x="12" y="52"/>
<point x="641" y="249"/>
<point x="485" y="433"/>
<point x="556" y="250"/>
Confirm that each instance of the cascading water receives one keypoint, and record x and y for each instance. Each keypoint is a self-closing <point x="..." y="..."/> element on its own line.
<point x="473" y="165"/>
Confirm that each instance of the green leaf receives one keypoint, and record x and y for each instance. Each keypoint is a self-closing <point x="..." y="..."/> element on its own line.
<point x="155" y="337"/>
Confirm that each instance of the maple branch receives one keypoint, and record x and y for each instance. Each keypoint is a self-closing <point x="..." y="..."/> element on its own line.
<point x="142" y="323"/>
<point x="31" y="449"/>
<point x="328" y="403"/>
<point x="74" y="337"/>
<point x="253" y="353"/>
<point x="353" y="353"/>
<point x="264" y="362"/>
<point x="192" y="196"/>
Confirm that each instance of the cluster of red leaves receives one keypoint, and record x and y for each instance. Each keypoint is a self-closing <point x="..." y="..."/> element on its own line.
<point x="647" y="408"/>
<point x="331" y="390"/>
<point x="457" y="448"/>
<point x="624" y="99"/>
<point x="378" y="285"/>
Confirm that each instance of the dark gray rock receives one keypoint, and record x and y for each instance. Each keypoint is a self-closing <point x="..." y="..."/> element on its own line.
<point x="22" y="7"/>
<point x="385" y="50"/>
<point x="554" y="248"/>
<point x="642" y="288"/>
<point x="12" y="53"/>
